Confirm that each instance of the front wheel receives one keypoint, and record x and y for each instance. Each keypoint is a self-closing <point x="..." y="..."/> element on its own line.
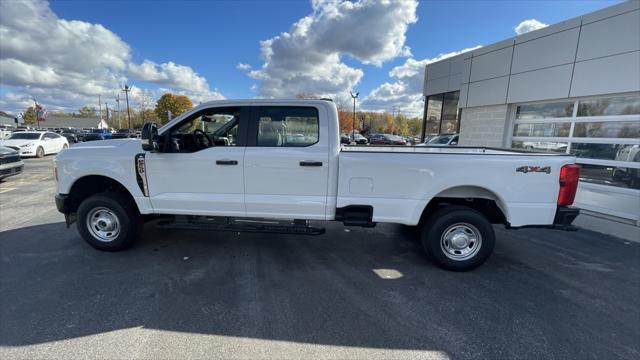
<point x="39" y="152"/>
<point x="109" y="221"/>
<point x="458" y="238"/>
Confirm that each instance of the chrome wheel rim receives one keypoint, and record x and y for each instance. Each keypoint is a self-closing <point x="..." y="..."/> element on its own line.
<point x="103" y="224"/>
<point x="461" y="241"/>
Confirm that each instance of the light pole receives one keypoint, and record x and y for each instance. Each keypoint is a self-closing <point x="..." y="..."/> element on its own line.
<point x="126" y="90"/>
<point x="353" y="123"/>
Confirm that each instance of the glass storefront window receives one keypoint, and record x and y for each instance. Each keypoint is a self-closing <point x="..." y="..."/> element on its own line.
<point x="617" y="152"/>
<point x="614" y="118"/>
<point x="617" y="105"/>
<point x="442" y="113"/>
<point x="548" y="110"/>
<point x="610" y="175"/>
<point x="617" y="129"/>
<point x="434" y="113"/>
<point x="542" y="146"/>
<point x="542" y="130"/>
<point x="449" y="123"/>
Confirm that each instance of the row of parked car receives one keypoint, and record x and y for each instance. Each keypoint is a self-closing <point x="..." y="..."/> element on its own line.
<point x="18" y="143"/>
<point x="391" y="139"/>
<point x="75" y="135"/>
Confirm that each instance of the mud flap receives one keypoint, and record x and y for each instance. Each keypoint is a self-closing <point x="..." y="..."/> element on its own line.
<point x="69" y="219"/>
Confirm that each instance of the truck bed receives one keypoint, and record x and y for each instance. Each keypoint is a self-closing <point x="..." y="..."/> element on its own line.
<point x="464" y="150"/>
<point x="523" y="184"/>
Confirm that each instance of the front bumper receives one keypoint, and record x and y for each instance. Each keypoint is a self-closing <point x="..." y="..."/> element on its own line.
<point x="61" y="202"/>
<point x="10" y="169"/>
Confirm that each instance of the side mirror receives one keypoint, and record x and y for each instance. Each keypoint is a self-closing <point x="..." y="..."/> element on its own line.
<point x="149" y="136"/>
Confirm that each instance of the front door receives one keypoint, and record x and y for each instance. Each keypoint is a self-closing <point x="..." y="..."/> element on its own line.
<point x="286" y="167"/>
<point x="199" y="169"/>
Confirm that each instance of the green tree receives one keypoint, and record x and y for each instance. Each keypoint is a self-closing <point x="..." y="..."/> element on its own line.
<point x="177" y="104"/>
<point x="87" y="111"/>
<point x="30" y="116"/>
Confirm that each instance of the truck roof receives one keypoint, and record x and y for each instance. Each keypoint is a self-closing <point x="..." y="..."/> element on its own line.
<point x="260" y="102"/>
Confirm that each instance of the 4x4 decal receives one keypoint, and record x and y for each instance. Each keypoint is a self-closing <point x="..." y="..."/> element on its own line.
<point x="538" y="169"/>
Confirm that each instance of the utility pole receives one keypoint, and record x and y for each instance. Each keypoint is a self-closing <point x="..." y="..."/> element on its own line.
<point x="353" y="124"/>
<point x="126" y="90"/>
<point x="99" y="108"/>
<point x="118" y="105"/>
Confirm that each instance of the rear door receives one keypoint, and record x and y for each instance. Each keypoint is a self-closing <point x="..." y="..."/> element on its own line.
<point x="286" y="163"/>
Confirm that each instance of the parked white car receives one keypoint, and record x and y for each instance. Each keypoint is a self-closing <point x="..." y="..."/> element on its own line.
<point x="36" y="143"/>
<point x="267" y="178"/>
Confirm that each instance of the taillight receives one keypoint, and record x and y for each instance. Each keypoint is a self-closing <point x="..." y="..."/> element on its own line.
<point x="569" y="177"/>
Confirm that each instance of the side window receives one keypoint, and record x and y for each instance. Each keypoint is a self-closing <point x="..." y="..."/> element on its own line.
<point x="287" y="126"/>
<point x="48" y="136"/>
<point x="216" y="126"/>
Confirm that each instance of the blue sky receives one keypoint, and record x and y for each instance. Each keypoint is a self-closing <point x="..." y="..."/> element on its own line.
<point x="208" y="39"/>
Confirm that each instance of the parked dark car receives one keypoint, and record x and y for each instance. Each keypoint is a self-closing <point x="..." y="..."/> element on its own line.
<point x="359" y="139"/>
<point x="386" y="139"/>
<point x="98" y="134"/>
<point x="72" y="135"/>
<point x="344" y="139"/>
<point x="10" y="162"/>
<point x="124" y="133"/>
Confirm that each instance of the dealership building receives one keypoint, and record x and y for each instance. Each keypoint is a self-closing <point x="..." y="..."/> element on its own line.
<point x="572" y="87"/>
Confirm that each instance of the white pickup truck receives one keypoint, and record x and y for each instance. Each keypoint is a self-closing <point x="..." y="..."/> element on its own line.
<point x="273" y="165"/>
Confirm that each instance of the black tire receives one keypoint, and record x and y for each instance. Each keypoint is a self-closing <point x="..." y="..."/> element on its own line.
<point x="39" y="152"/>
<point x="111" y="204"/>
<point x="464" y="223"/>
<point x="64" y="146"/>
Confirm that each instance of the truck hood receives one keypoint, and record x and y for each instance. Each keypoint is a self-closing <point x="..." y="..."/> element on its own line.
<point x="107" y="143"/>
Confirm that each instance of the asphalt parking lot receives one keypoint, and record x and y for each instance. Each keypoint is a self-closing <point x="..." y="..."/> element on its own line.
<point x="350" y="293"/>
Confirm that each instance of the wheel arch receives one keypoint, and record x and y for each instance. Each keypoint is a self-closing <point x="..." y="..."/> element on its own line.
<point x="476" y="197"/>
<point x="89" y="185"/>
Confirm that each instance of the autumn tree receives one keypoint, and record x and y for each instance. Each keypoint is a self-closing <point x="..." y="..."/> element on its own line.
<point x="29" y="116"/>
<point x="177" y="104"/>
<point x="87" y="111"/>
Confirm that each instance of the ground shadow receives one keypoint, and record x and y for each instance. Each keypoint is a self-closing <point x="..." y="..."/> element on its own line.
<point x="538" y="296"/>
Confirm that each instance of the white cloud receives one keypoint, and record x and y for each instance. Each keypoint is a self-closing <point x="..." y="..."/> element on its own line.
<point x="244" y="67"/>
<point x="65" y="64"/>
<point x="528" y="25"/>
<point x="307" y="58"/>
<point x="405" y="93"/>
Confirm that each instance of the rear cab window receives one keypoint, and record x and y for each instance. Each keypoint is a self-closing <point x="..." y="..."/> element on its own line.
<point x="287" y="126"/>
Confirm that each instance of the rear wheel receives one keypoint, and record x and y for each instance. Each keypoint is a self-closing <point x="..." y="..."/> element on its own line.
<point x="39" y="152"/>
<point x="458" y="238"/>
<point x="109" y="221"/>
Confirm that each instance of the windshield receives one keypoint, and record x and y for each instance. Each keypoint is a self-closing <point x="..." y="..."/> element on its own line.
<point x="24" y="136"/>
<point x="440" y="140"/>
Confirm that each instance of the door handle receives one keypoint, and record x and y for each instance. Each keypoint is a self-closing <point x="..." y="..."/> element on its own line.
<point x="226" y="162"/>
<point x="310" y="163"/>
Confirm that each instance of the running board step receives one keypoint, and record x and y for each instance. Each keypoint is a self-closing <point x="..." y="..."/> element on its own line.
<point x="298" y="227"/>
